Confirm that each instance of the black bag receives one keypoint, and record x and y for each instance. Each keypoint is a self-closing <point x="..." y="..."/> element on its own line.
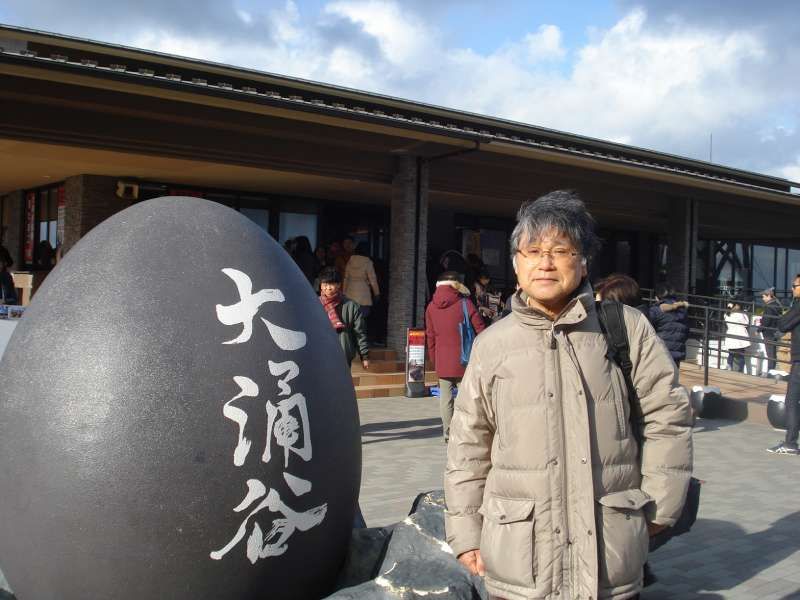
<point x="612" y="323"/>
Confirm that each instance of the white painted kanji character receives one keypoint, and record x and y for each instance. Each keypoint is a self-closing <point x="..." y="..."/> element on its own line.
<point x="286" y="429"/>
<point x="244" y="311"/>
<point x="274" y="543"/>
<point x="247" y="388"/>
<point x="290" y="369"/>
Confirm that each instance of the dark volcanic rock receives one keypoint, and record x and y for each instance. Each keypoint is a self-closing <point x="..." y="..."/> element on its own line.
<point x="416" y="561"/>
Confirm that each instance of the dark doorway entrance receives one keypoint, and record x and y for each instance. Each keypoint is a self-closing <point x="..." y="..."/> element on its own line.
<point x="366" y="224"/>
<point x="629" y="252"/>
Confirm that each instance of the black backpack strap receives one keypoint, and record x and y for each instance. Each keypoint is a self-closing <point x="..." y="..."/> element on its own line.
<point x="612" y="323"/>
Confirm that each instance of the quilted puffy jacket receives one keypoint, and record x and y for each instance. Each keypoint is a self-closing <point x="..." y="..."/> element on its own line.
<point x="543" y="472"/>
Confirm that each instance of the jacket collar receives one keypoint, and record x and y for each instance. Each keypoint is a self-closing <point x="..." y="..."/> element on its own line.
<point x="580" y="305"/>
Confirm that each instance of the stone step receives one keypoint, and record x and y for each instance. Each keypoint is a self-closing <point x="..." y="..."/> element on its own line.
<point x="382" y="354"/>
<point x="379" y="391"/>
<point x="368" y="378"/>
<point x="378" y="366"/>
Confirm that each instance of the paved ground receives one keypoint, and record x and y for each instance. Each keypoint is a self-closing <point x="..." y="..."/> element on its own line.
<point x="745" y="544"/>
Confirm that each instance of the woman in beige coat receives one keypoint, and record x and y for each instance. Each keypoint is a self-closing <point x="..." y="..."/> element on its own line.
<point x="360" y="283"/>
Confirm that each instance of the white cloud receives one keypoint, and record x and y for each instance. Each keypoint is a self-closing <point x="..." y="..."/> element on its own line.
<point x="545" y="43"/>
<point x="664" y="87"/>
<point x="404" y="39"/>
<point x="790" y="171"/>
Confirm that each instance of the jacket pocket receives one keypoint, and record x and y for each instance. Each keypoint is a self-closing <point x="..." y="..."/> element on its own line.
<point x="622" y="537"/>
<point x="507" y="540"/>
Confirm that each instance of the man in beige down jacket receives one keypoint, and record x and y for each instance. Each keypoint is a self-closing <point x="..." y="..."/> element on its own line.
<point x="548" y="495"/>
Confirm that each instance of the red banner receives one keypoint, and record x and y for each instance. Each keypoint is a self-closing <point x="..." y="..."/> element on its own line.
<point x="62" y="212"/>
<point x="30" y="226"/>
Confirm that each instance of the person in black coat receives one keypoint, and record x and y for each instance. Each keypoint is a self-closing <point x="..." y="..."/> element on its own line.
<point x="769" y="322"/>
<point x="668" y="317"/>
<point x="8" y="293"/>
<point x="305" y="258"/>
<point x="791" y="322"/>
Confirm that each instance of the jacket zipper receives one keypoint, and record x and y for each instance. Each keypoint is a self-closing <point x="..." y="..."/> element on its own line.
<point x="620" y="405"/>
<point x="554" y="346"/>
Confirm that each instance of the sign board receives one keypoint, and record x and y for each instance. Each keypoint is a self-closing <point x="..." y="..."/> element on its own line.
<point x="415" y="363"/>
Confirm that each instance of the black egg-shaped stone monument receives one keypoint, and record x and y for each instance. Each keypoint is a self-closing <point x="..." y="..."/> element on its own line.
<point x="176" y="419"/>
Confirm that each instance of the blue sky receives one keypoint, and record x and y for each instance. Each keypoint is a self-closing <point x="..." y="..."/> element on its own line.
<point x="661" y="74"/>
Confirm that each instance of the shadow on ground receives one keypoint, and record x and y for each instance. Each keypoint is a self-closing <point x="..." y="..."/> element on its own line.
<point x="705" y="425"/>
<point x="738" y="558"/>
<point x="388" y="431"/>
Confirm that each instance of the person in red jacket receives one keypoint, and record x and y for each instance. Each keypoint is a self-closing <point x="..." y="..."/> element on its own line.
<point x="442" y="318"/>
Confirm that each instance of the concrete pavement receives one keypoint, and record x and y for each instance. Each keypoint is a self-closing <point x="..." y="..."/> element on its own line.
<point x="745" y="544"/>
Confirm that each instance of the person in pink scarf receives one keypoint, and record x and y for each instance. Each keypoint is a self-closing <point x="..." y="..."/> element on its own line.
<point x="345" y="317"/>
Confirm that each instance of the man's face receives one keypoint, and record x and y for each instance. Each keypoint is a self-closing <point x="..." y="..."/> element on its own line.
<point x="796" y="288"/>
<point x="329" y="289"/>
<point x="549" y="269"/>
<point x="348" y="245"/>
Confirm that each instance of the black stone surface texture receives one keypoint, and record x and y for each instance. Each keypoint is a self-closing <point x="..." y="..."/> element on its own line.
<point x="116" y="461"/>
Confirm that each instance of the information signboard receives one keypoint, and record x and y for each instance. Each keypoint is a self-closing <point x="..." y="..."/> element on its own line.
<point x="415" y="363"/>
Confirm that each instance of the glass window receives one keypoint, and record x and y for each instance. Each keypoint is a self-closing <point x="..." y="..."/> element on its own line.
<point x="292" y="225"/>
<point x="259" y="216"/>
<point x="45" y="227"/>
<point x="781" y="282"/>
<point x="763" y="267"/>
<point x="794" y="267"/>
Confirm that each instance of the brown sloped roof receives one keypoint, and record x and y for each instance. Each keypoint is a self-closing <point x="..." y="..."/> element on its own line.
<point x="99" y="59"/>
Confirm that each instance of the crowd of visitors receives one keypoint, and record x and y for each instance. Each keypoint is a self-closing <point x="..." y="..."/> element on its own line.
<point x="343" y="275"/>
<point x="463" y="295"/>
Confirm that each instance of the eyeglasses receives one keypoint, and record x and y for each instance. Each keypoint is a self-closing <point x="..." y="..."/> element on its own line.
<point x="560" y="256"/>
<point x="794" y="285"/>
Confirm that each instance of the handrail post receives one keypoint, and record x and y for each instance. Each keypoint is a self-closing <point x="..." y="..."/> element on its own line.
<point x="707" y="356"/>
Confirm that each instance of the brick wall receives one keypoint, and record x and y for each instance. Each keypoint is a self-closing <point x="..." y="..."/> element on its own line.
<point x="404" y="218"/>
<point x="90" y="200"/>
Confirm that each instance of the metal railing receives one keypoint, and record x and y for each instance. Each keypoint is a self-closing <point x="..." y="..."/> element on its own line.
<point x="708" y="332"/>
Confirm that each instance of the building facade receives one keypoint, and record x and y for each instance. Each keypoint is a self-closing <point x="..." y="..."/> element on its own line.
<point x="87" y="129"/>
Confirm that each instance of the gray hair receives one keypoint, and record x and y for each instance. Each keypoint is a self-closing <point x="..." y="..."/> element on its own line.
<point x="562" y="211"/>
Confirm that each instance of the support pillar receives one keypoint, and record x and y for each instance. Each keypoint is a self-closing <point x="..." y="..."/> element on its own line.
<point x="682" y="233"/>
<point x="409" y="244"/>
<point x="89" y="200"/>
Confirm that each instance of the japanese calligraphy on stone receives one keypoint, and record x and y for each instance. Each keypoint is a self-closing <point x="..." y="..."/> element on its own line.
<point x="287" y="436"/>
